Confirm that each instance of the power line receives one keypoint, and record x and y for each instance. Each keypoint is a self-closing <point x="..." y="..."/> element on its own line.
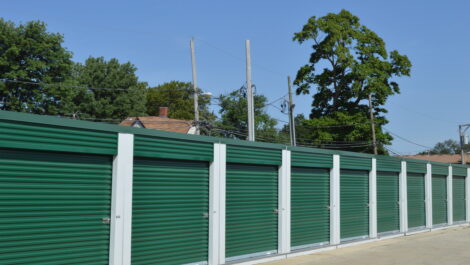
<point x="406" y="140"/>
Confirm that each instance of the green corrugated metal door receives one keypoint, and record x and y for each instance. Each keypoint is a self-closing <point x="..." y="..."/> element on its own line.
<point x="251" y="209"/>
<point x="388" y="209"/>
<point x="439" y="199"/>
<point x="310" y="200"/>
<point x="170" y="200"/>
<point x="416" y="203"/>
<point x="354" y="203"/>
<point x="458" y="191"/>
<point x="51" y="207"/>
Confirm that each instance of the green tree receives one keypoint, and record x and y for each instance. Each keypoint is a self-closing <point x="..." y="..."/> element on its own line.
<point x="178" y="97"/>
<point x="446" y="147"/>
<point x="233" y="121"/>
<point x="352" y="63"/>
<point x="28" y="55"/>
<point x="114" y="90"/>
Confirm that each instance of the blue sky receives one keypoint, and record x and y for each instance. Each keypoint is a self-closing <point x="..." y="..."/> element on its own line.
<point x="154" y="35"/>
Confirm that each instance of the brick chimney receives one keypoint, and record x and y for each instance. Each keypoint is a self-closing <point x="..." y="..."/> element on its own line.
<point x="163" y="112"/>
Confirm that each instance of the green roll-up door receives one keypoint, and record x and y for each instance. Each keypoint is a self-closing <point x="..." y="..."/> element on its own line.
<point x="310" y="200"/>
<point x="354" y="203"/>
<point x="388" y="209"/>
<point x="416" y="203"/>
<point x="170" y="201"/>
<point x="251" y="209"/>
<point x="458" y="202"/>
<point x="52" y="206"/>
<point x="439" y="199"/>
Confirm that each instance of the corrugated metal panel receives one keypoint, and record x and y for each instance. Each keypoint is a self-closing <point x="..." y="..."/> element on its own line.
<point x="310" y="200"/>
<point x="389" y="164"/>
<point x="360" y="163"/>
<point x="459" y="171"/>
<point x="439" y="199"/>
<point x="416" y="204"/>
<point x="251" y="220"/>
<point x="458" y="191"/>
<point x="169" y="202"/>
<point x="300" y="159"/>
<point x="440" y="170"/>
<point x="253" y="155"/>
<point x="416" y="167"/>
<point x="46" y="137"/>
<point x="51" y="208"/>
<point x="157" y="147"/>
<point x="354" y="203"/>
<point x="388" y="209"/>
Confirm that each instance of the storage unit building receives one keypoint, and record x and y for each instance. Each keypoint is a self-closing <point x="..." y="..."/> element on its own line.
<point x="354" y="197"/>
<point x="310" y="199"/>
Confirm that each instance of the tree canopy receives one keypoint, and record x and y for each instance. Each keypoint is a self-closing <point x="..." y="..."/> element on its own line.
<point x="114" y="90"/>
<point x="349" y="61"/>
<point x="446" y="147"/>
<point x="30" y="57"/>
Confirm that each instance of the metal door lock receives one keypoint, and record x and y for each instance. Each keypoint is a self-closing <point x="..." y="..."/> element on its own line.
<point x="106" y="220"/>
<point x="205" y="215"/>
<point x="276" y="211"/>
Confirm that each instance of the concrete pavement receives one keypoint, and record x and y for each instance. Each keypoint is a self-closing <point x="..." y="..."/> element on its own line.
<point x="449" y="246"/>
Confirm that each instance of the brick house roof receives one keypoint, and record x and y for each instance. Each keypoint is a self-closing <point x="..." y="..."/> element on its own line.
<point x="452" y="159"/>
<point x="160" y="123"/>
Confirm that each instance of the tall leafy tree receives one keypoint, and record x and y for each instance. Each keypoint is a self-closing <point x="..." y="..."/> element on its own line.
<point x="179" y="98"/>
<point x="31" y="57"/>
<point x="111" y="90"/>
<point x="446" y="147"/>
<point x="349" y="61"/>
<point x="233" y="121"/>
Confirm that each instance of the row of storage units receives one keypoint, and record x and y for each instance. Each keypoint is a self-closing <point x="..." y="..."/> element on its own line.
<point x="78" y="193"/>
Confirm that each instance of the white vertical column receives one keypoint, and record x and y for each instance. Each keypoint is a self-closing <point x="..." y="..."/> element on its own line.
<point x="467" y="196"/>
<point x="284" y="203"/>
<point x="428" y="195"/>
<point x="217" y="189"/>
<point x="335" y="233"/>
<point x="450" y="196"/>
<point x="214" y="203"/>
<point x="121" y="202"/>
<point x="373" y="200"/>
<point x="403" y="199"/>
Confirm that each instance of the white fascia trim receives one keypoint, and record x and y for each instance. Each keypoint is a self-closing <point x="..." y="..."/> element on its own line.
<point x="121" y="202"/>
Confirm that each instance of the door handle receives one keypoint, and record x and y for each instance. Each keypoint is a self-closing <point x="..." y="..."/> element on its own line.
<point x="106" y="220"/>
<point x="276" y="211"/>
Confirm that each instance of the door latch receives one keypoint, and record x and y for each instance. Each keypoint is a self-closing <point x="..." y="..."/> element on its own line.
<point x="205" y="215"/>
<point x="276" y="211"/>
<point x="106" y="220"/>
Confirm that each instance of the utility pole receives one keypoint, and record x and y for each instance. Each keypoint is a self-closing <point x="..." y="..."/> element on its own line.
<point x="196" y="91"/>
<point x="249" y="94"/>
<point x="291" y="114"/>
<point x="463" y="141"/>
<point x="372" y="124"/>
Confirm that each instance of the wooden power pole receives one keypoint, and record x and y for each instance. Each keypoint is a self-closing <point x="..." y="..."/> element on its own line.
<point x="291" y="114"/>
<point x="372" y="124"/>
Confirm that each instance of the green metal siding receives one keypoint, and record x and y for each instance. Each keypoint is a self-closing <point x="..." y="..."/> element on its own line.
<point x="388" y="209"/>
<point x="416" y="197"/>
<point x="252" y="155"/>
<point x="439" y="199"/>
<point x="354" y="203"/>
<point x="459" y="171"/>
<point x="310" y="200"/>
<point x="251" y="200"/>
<point x="51" y="208"/>
<point x="388" y="164"/>
<point x="167" y="148"/>
<point x="300" y="159"/>
<point x="416" y="167"/>
<point x="458" y="191"/>
<point x="358" y="163"/>
<point x="440" y="170"/>
<point x="15" y="134"/>
<point x="169" y="202"/>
